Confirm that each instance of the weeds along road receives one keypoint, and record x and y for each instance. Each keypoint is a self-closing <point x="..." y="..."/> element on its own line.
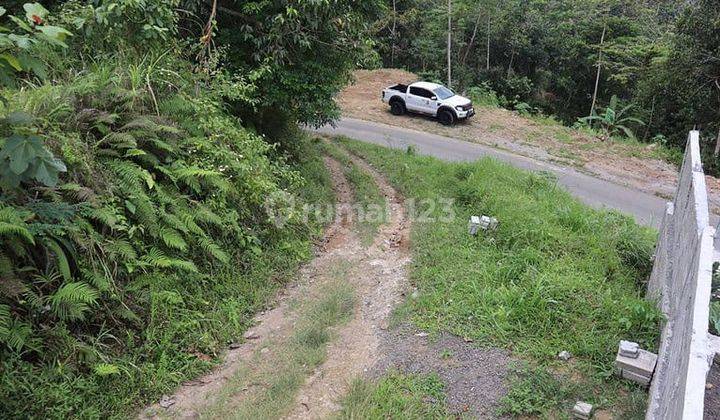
<point x="646" y="208"/>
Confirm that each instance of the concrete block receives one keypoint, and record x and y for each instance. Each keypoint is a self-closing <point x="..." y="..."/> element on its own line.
<point x="643" y="364"/>
<point x="488" y="223"/>
<point x="473" y="225"/>
<point x="640" y="379"/>
<point x="582" y="410"/>
<point x="629" y="349"/>
<point x="485" y="223"/>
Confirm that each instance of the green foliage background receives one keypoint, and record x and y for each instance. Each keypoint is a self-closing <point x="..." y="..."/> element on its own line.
<point x="661" y="57"/>
<point x="132" y="266"/>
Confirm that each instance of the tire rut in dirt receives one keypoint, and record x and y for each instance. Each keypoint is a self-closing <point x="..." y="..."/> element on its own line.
<point x="195" y="397"/>
<point x="381" y="280"/>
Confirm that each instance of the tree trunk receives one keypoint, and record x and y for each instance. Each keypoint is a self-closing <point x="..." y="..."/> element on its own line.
<point x="717" y="142"/>
<point x="472" y="38"/>
<point x="597" y="76"/>
<point x="650" y="121"/>
<point x="487" y="61"/>
<point x="394" y="27"/>
<point x="449" y="44"/>
<point x="512" y="58"/>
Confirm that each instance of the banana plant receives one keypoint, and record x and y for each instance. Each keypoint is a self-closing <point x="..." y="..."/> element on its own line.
<point x="613" y="121"/>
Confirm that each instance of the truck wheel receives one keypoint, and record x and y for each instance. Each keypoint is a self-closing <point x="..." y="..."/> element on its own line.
<point x="397" y="108"/>
<point x="446" y="117"/>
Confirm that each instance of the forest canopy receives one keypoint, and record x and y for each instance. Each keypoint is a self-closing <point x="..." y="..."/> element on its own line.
<point x="662" y="58"/>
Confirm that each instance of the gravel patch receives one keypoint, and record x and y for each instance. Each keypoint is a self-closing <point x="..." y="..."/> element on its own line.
<point x="474" y="377"/>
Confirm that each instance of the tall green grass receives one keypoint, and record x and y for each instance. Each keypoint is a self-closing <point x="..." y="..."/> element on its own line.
<point x="556" y="275"/>
<point x="396" y="396"/>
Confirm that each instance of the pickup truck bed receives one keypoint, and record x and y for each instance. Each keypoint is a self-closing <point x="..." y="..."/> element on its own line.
<point x="399" y="87"/>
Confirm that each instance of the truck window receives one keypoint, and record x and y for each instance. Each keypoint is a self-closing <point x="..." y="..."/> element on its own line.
<point x="444" y="93"/>
<point x="421" y="92"/>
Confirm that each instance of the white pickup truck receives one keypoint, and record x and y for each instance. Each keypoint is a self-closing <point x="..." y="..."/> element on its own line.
<point x="429" y="99"/>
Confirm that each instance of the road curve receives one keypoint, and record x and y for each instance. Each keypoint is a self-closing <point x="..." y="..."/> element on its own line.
<point x="646" y="208"/>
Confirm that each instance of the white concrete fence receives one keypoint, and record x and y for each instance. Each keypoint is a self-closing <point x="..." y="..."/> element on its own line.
<point x="680" y="282"/>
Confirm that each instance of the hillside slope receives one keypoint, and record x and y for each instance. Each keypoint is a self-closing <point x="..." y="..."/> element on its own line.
<point x="153" y="251"/>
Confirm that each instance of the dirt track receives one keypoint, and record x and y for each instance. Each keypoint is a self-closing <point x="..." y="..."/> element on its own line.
<point x="199" y="398"/>
<point x="364" y="347"/>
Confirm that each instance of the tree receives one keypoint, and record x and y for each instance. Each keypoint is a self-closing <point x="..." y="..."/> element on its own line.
<point x="449" y="44"/>
<point x="682" y="83"/>
<point x="599" y="67"/>
<point x="299" y="54"/>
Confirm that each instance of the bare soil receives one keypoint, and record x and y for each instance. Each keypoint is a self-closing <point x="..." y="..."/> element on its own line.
<point x="379" y="289"/>
<point x="379" y="276"/>
<point x="633" y="165"/>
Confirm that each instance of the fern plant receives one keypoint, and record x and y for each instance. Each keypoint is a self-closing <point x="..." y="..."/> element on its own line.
<point x="149" y="213"/>
<point x="72" y="300"/>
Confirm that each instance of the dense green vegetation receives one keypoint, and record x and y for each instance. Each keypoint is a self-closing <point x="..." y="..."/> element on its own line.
<point x="136" y="157"/>
<point x="140" y="140"/>
<point x="661" y="57"/>
<point x="555" y="275"/>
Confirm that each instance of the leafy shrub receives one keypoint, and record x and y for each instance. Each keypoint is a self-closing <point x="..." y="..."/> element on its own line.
<point x="153" y="247"/>
<point x="16" y="45"/>
<point x="24" y="158"/>
<point x="517" y="86"/>
<point x="613" y="120"/>
<point x="109" y="26"/>
<point x="715" y="317"/>
<point x="483" y="95"/>
<point x="523" y="108"/>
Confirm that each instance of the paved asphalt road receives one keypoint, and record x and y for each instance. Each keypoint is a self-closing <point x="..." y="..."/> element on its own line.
<point x="646" y="208"/>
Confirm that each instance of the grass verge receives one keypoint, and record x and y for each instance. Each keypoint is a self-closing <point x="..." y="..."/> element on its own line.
<point x="537" y="391"/>
<point x="272" y="382"/>
<point x="396" y="396"/>
<point x="556" y="275"/>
